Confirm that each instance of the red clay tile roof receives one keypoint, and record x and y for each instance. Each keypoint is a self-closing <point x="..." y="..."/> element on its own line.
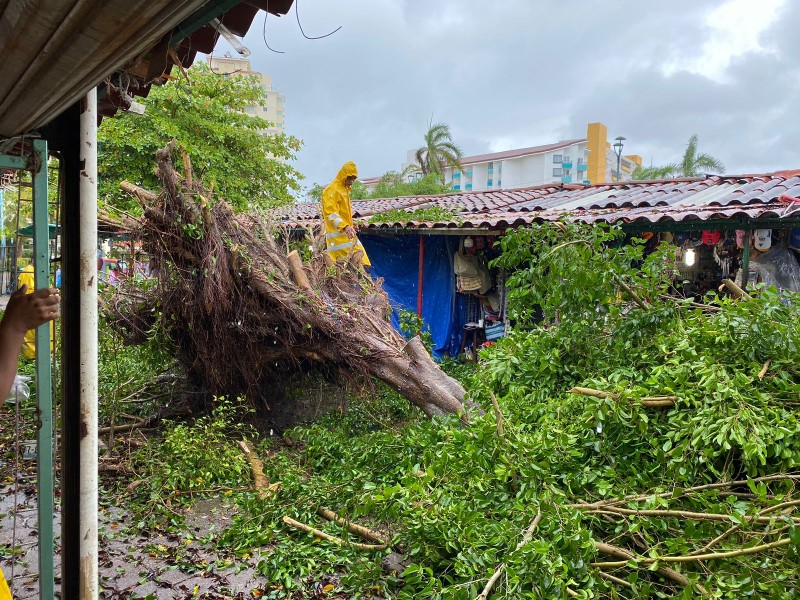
<point x="713" y="197"/>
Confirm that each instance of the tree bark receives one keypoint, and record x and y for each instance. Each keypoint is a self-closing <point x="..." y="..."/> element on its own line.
<point x="243" y="311"/>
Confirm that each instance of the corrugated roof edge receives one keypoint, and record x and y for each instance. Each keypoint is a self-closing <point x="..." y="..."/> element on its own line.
<point x="500" y="208"/>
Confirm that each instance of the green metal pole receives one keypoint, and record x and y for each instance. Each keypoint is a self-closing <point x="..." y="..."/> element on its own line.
<point x="13" y="162"/>
<point x="44" y="387"/>
<point x="746" y="258"/>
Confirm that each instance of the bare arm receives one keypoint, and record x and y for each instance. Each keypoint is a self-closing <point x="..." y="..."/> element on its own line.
<point x="24" y="312"/>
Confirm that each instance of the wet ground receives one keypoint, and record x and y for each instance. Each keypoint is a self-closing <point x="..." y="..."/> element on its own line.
<point x="131" y="565"/>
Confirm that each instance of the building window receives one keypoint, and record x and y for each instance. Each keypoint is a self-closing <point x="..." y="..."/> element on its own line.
<point x="265" y="109"/>
<point x="557" y="160"/>
<point x="488" y="183"/>
<point x="558" y="172"/>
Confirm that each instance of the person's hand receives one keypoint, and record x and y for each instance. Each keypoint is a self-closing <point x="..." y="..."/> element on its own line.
<point x="350" y="231"/>
<point x="26" y="311"/>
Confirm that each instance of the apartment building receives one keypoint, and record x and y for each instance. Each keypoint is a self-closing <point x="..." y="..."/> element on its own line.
<point x="585" y="160"/>
<point x="274" y="105"/>
<point x="563" y="161"/>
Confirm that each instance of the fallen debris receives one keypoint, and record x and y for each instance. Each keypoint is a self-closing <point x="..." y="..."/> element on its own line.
<point x="367" y="534"/>
<point x="242" y="313"/>
<point x="264" y="488"/>
<point x="322" y="535"/>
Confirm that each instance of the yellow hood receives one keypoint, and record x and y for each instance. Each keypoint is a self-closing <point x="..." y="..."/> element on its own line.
<point x="348" y="170"/>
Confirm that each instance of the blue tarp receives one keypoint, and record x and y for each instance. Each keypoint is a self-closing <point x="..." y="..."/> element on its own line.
<point x="396" y="259"/>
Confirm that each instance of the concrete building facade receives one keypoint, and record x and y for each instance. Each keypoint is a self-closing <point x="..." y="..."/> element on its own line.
<point x="585" y="160"/>
<point x="273" y="109"/>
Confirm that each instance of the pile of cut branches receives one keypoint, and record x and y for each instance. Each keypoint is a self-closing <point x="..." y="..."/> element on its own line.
<point x="243" y="311"/>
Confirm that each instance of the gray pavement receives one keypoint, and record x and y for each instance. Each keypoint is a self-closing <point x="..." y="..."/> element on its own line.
<point x="131" y="564"/>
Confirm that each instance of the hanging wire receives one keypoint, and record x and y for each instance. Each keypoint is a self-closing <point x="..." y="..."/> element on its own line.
<point x="264" y="32"/>
<point x="318" y="37"/>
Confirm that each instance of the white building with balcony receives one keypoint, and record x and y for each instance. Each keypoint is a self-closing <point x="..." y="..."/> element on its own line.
<point x="562" y="162"/>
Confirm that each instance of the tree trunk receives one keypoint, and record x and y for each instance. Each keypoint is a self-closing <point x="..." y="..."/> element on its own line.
<point x="242" y="312"/>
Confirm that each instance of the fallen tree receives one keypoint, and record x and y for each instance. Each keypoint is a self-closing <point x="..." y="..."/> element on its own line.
<point x="243" y="311"/>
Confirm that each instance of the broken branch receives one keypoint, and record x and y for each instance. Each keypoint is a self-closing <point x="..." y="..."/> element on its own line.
<point x="496" y="575"/>
<point x="367" y="534"/>
<point x="322" y="535"/>
<point x="627" y="555"/>
<point x="679" y="514"/>
<point x="260" y="481"/>
<point x="688" y="558"/>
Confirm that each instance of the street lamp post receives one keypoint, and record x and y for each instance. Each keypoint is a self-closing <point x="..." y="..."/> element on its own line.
<point x="618" y="152"/>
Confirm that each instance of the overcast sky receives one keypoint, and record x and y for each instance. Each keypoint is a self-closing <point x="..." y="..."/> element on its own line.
<point x="518" y="73"/>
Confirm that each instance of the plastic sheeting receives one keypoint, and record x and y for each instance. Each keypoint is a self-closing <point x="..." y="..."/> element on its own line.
<point x="396" y="259"/>
<point x="777" y="267"/>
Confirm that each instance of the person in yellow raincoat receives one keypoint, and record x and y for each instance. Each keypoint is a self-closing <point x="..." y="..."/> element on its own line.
<point x="340" y="233"/>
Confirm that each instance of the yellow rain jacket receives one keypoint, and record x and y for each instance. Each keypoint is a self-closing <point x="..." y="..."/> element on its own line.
<point x="337" y="214"/>
<point x="5" y="593"/>
<point x="29" y="345"/>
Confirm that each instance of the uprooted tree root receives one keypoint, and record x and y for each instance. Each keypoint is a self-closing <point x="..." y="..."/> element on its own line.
<point x="243" y="313"/>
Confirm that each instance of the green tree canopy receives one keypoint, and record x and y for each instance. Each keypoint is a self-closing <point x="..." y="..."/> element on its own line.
<point x="438" y="151"/>
<point x="391" y="185"/>
<point x="207" y="115"/>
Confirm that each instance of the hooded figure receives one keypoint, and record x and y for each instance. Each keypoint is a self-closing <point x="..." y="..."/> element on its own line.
<point x="340" y="234"/>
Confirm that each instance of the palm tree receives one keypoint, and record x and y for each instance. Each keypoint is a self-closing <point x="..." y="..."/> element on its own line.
<point x="651" y="172"/>
<point x="693" y="163"/>
<point x="439" y="151"/>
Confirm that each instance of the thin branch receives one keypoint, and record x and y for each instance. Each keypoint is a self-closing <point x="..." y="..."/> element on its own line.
<point x="367" y="534"/>
<point x="737" y="527"/>
<point x="610" y="577"/>
<point x="499" y="570"/>
<point x="736" y="290"/>
<point x="700" y="557"/>
<point x="680" y="514"/>
<point x="680" y="492"/>
<point x="763" y="371"/>
<point x="632" y="294"/>
<point x="322" y="535"/>
<point x="627" y="555"/>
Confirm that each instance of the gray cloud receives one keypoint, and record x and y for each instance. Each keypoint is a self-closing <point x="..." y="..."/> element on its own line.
<point x="520" y="73"/>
